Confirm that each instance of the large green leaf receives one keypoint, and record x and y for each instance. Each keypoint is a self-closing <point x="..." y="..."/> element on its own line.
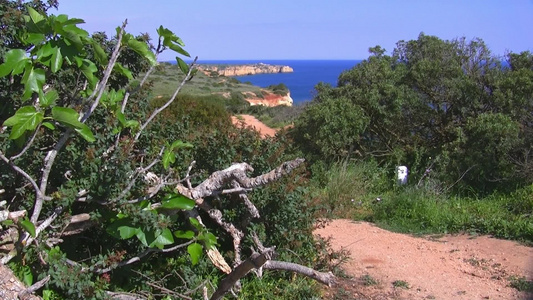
<point x="183" y="65"/>
<point x="33" y="80"/>
<point x="165" y="238"/>
<point x="178" y="202"/>
<point x="142" y="49"/>
<point x="27" y="278"/>
<point x="86" y="133"/>
<point x="57" y="60"/>
<point x="26" y="118"/>
<point x="29" y="227"/>
<point x="88" y="68"/>
<point x="184" y="234"/>
<point x="120" y="69"/>
<point x="179" y="145"/>
<point x="44" y="51"/>
<point x="169" y="157"/>
<point x="73" y="38"/>
<point x="34" y="38"/>
<point x="127" y="232"/>
<point x="99" y="53"/>
<point x="67" y="116"/>
<point x="195" y="251"/>
<point x="13" y="59"/>
<point x="35" y="16"/>
<point x="48" y="99"/>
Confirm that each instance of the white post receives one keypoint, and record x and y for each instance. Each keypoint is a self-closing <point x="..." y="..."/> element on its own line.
<point x="402" y="175"/>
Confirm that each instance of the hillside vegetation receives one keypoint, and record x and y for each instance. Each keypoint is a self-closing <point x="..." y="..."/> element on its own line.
<point x="116" y="182"/>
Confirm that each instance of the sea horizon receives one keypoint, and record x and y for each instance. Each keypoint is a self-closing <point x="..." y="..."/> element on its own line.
<point x="307" y="74"/>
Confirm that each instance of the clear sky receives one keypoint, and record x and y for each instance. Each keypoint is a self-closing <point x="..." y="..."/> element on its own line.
<point x="310" y="29"/>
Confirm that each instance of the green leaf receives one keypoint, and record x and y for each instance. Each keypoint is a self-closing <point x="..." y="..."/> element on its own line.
<point x="47" y="295"/>
<point x="35" y="16"/>
<point x="88" y="68"/>
<point x="44" y="51"/>
<point x="127" y="232"/>
<point x="209" y="239"/>
<point x="99" y="53"/>
<point x="184" y="234"/>
<point x="183" y="65"/>
<point x="67" y="116"/>
<point x="168" y="158"/>
<point x="196" y="223"/>
<point x="120" y="117"/>
<point x="34" y="38"/>
<point x="165" y="238"/>
<point x="49" y="98"/>
<point x="57" y="60"/>
<point x="180" y="144"/>
<point x="178" y="202"/>
<point x="49" y="125"/>
<point x="131" y="124"/>
<point x="73" y="38"/>
<point x="195" y="251"/>
<point x="142" y="49"/>
<point x="142" y="237"/>
<point x="120" y="69"/>
<point x="29" y="227"/>
<point x="27" y="277"/>
<point x="33" y="80"/>
<point x="26" y="118"/>
<point x="13" y="59"/>
<point x="86" y="133"/>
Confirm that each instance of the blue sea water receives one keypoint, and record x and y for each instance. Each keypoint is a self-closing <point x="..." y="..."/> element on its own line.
<point x="301" y="82"/>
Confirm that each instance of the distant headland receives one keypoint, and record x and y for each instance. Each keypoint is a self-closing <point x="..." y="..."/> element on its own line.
<point x="242" y="70"/>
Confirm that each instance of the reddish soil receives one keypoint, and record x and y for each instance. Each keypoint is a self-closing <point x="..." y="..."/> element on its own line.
<point x="443" y="267"/>
<point x="251" y="121"/>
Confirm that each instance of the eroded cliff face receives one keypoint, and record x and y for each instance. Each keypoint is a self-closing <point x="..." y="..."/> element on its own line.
<point x="269" y="99"/>
<point x="241" y="70"/>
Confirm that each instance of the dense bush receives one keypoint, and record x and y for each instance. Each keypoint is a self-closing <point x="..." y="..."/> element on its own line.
<point x="449" y="106"/>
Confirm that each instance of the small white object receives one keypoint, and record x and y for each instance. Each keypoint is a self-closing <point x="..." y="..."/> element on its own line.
<point x="402" y="175"/>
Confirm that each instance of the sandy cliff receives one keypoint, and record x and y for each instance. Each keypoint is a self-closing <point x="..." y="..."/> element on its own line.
<point x="241" y="70"/>
<point x="269" y="99"/>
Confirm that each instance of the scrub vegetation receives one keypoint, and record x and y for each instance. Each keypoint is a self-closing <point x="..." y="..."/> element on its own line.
<point x="118" y="174"/>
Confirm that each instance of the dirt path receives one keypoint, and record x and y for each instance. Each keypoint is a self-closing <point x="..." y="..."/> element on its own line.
<point x="251" y="121"/>
<point x="448" y="267"/>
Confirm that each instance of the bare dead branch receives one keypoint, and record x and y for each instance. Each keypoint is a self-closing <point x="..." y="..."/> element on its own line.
<point x="32" y="289"/>
<point x="324" y="278"/>
<point x="214" y="183"/>
<point x="235" y="233"/>
<point x="255" y="261"/>
<point x="139" y="256"/>
<point x="125" y="296"/>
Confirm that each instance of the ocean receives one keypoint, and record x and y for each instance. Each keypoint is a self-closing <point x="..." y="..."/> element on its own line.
<point x="301" y="83"/>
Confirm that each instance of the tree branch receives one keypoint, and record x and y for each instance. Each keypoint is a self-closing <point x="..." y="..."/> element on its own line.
<point x="324" y="278"/>
<point x="255" y="261"/>
<point x="159" y="110"/>
<point x="217" y="180"/>
<point x="23" y="173"/>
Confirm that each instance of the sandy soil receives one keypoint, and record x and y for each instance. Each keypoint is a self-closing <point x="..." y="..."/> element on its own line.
<point x="445" y="267"/>
<point x="251" y="121"/>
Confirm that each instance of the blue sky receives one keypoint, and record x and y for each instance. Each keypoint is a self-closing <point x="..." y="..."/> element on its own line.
<point x="310" y="29"/>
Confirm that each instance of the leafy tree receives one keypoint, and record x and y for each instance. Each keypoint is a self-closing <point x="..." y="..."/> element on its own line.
<point x="94" y="185"/>
<point x="432" y="103"/>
